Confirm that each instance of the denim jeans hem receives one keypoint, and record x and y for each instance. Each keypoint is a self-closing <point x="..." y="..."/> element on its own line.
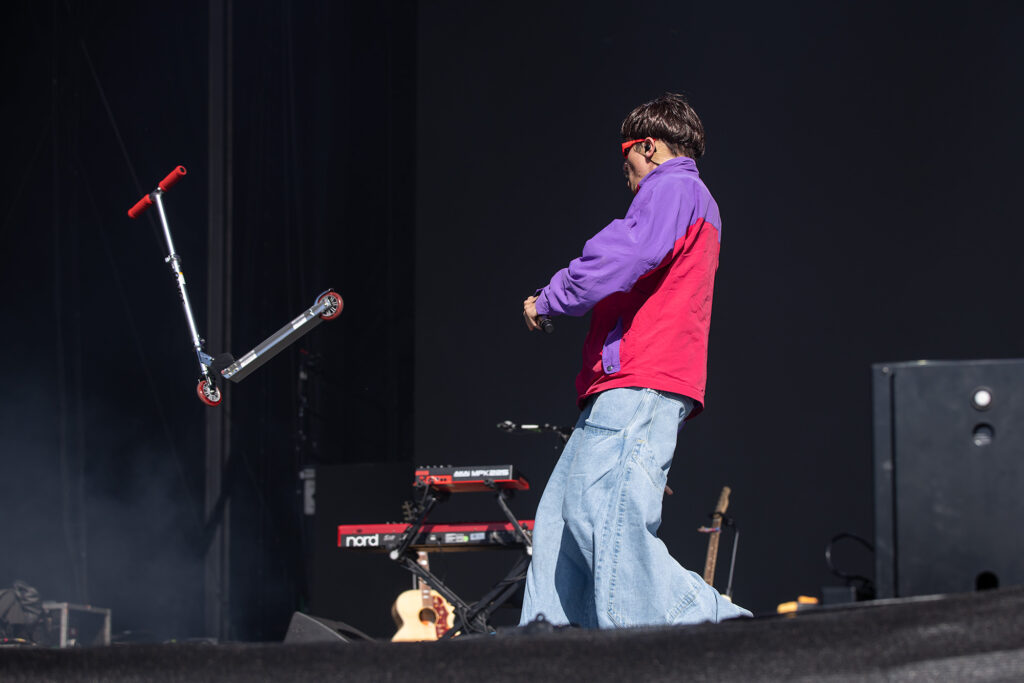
<point x="597" y="560"/>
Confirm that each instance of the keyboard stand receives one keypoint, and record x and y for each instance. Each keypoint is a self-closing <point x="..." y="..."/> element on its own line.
<point x="469" y="618"/>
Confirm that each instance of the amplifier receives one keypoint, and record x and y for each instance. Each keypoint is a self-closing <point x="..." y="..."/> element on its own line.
<point x="949" y="472"/>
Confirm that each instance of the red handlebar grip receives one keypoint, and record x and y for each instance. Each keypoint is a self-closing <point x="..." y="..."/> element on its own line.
<point x="140" y="207"/>
<point x="172" y="177"/>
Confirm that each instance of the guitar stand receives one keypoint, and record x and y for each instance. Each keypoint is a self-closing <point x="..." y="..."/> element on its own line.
<point x="726" y="521"/>
<point x="471" y="618"/>
<point x="729" y="522"/>
<point x="327" y="306"/>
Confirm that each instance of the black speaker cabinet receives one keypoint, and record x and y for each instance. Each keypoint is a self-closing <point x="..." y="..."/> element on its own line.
<point x="949" y="476"/>
<point x="308" y="629"/>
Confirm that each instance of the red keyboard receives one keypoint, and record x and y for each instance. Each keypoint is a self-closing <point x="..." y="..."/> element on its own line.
<point x="447" y="537"/>
<point x="458" y="479"/>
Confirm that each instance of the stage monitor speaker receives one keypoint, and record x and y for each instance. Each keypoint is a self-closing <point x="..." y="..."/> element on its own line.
<point x="949" y="476"/>
<point x="306" y="629"/>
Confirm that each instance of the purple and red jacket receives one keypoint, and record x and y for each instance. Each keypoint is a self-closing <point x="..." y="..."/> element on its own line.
<point x="649" y="278"/>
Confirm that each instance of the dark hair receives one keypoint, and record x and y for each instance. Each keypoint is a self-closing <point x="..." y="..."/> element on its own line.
<point x="669" y="118"/>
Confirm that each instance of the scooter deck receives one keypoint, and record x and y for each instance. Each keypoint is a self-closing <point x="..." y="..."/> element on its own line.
<point x="276" y="343"/>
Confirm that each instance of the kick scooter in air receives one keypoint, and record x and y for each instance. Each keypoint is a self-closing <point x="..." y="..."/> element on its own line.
<point x="327" y="306"/>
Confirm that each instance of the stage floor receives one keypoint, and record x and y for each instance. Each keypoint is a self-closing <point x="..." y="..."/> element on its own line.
<point x="969" y="637"/>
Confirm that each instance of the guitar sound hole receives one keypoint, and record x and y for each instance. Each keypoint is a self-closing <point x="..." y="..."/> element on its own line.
<point x="428" y="615"/>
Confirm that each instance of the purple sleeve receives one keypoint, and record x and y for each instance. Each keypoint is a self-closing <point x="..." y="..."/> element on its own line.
<point x="615" y="258"/>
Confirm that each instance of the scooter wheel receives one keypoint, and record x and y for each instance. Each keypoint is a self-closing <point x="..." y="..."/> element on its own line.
<point x="209" y="393"/>
<point x="334" y="304"/>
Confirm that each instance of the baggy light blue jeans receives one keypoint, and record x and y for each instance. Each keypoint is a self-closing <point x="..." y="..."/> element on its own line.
<point x="597" y="559"/>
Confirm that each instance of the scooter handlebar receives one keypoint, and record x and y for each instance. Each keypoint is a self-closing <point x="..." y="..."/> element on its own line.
<point x="140" y="207"/>
<point x="172" y="178"/>
<point x="167" y="183"/>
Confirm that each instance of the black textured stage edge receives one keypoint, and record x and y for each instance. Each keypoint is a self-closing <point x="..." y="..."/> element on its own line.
<point x="971" y="637"/>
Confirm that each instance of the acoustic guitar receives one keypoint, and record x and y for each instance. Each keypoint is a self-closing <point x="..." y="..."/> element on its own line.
<point x="422" y="613"/>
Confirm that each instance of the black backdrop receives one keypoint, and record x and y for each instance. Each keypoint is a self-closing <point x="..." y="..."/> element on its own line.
<point x="435" y="164"/>
<point x="864" y="159"/>
<point x="103" y="452"/>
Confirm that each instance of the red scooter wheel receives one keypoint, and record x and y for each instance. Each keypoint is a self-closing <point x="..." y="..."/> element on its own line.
<point x="334" y="305"/>
<point x="209" y="393"/>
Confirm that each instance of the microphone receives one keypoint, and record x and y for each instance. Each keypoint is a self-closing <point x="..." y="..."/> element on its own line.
<point x="511" y="427"/>
<point x="545" y="323"/>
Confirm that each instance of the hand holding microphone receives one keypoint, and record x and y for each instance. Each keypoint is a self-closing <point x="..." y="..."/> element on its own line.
<point x="533" y="320"/>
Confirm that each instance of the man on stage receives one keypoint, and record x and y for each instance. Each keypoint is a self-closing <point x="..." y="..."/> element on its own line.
<point x="648" y="277"/>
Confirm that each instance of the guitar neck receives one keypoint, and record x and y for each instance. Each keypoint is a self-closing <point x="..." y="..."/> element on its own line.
<point x="716" y="525"/>
<point x="421" y="560"/>
<point x="432" y="603"/>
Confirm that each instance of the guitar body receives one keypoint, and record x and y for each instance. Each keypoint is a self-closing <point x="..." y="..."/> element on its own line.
<point x="423" y="613"/>
<point x="416" y="621"/>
